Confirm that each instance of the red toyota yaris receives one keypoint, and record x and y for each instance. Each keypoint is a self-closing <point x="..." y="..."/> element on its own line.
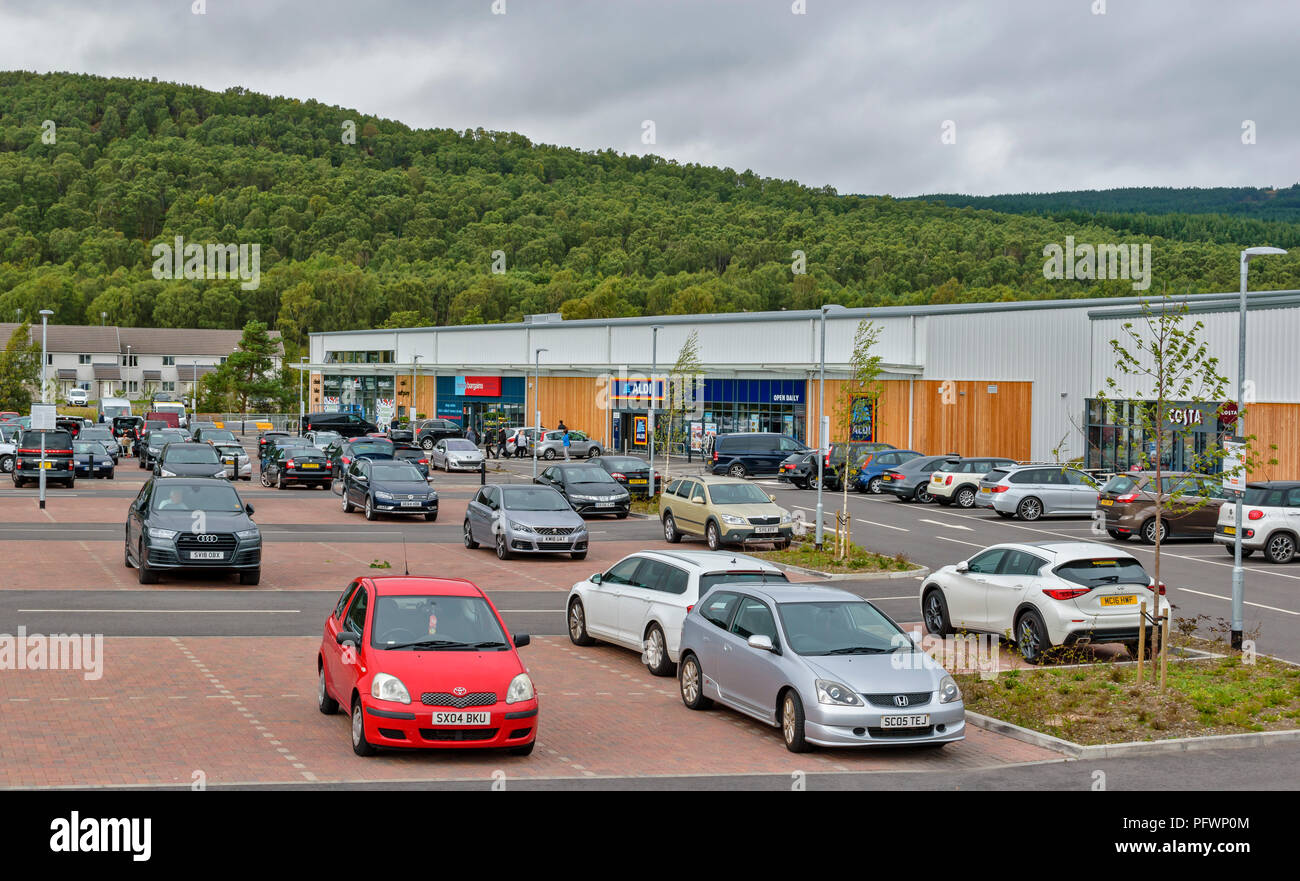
<point x="425" y="662"/>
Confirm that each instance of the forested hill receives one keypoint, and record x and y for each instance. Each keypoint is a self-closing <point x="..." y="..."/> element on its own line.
<point x="400" y="227"/>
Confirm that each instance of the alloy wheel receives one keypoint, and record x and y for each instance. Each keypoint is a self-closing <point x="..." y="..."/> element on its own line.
<point x="788" y="718"/>
<point x="690" y="681"/>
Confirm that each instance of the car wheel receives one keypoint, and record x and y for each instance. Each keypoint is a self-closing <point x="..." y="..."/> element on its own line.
<point x="279" y="482"/>
<point x="142" y="465"/>
<point x="370" y="510"/>
<point x="503" y="547"/>
<point x="264" y="478"/>
<point x="578" y="555"/>
<point x="126" y="556"/>
<point x="109" y="475"/>
<point x="144" y="573"/>
<point x="327" y="485"/>
<point x="965" y="497"/>
<point x="252" y="577"/>
<point x="360" y="745"/>
<point x="1117" y="535"/>
<point x="525" y="750"/>
<point x="812" y="481"/>
<point x="593" y="452"/>
<point x="7" y="464"/>
<point x="873" y="486"/>
<point x="738" y="470"/>
<point x="671" y="535"/>
<point x="792" y="727"/>
<point x="1280" y="548"/>
<point x="1150" y="532"/>
<point x="430" y="516"/>
<point x="712" y="536"/>
<point x="578" y="624"/>
<point x="469" y="537"/>
<point x="690" y="681"/>
<point x="1029" y="509"/>
<point x="1031" y="638"/>
<point x="923" y="494"/>
<point x="347" y="506"/>
<point x="427" y="443"/>
<point x="655" y="653"/>
<point x="324" y="702"/>
<point x="935" y="611"/>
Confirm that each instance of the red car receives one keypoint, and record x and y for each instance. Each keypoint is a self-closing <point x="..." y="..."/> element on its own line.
<point x="425" y="662"/>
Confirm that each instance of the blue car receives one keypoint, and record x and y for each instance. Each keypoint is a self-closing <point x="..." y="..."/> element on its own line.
<point x="90" y="459"/>
<point x="867" y="480"/>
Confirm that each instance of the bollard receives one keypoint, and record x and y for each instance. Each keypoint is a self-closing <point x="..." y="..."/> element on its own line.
<point x="482" y="473"/>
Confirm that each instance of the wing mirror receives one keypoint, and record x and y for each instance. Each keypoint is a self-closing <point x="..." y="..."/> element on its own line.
<point x="771" y="497"/>
<point x="248" y="509"/>
<point x="347" y="636"/>
<point x="521" y="640"/>
<point x="699" y="500"/>
<point x="761" y="642"/>
<point x="595" y="579"/>
<point x="963" y="566"/>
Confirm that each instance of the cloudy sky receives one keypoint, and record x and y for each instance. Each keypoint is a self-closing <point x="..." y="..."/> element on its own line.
<point x="1042" y="94"/>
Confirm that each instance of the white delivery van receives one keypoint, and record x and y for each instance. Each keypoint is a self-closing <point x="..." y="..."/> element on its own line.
<point x="110" y="407"/>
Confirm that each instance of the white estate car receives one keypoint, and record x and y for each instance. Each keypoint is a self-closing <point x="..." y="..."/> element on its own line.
<point x="1046" y="594"/>
<point x="455" y="454"/>
<point x="957" y="482"/>
<point x="1270" y="521"/>
<point x="641" y="602"/>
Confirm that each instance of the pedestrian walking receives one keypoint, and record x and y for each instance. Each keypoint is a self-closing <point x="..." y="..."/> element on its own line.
<point x="566" y="444"/>
<point x="502" y="452"/>
<point x="471" y="436"/>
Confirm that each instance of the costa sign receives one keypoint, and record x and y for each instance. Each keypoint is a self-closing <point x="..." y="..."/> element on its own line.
<point x="1228" y="413"/>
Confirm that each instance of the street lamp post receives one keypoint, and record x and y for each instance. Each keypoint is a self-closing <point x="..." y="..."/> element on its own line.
<point x="194" y="389"/>
<point x="823" y="427"/>
<point x="1238" y="573"/>
<point x="45" y="397"/>
<point x="654" y="367"/>
<point x="128" y="372"/>
<point x="537" y="404"/>
<point x="415" y="378"/>
<point x="302" y="410"/>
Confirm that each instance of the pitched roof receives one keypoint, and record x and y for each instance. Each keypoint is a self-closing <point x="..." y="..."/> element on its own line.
<point x="89" y="339"/>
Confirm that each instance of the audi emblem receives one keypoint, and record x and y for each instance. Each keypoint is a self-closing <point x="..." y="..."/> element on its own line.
<point x="460" y="691"/>
<point x="207" y="537"/>
<point x="900" y="700"/>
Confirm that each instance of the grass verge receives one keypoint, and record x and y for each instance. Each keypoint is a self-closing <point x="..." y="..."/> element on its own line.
<point x="806" y="555"/>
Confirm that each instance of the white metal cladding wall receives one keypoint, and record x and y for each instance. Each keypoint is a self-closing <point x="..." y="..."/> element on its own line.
<point x="360" y="341"/>
<point x="1272" y="359"/>
<point x="1048" y="347"/>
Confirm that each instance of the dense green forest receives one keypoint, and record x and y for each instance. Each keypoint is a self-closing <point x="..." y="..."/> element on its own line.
<point x="399" y="227"/>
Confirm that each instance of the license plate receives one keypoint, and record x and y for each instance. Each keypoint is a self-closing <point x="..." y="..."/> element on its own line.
<point x="310" y="467"/>
<point x="47" y="465"/>
<point x="463" y="717"/>
<point x="207" y="555"/>
<point x="604" y="504"/>
<point x="230" y="461"/>
<point x="1127" y="600"/>
<point x="1106" y="502"/>
<point x="918" y="721"/>
<point x="412" y="504"/>
<point x="1229" y="530"/>
<point x="886" y="478"/>
<point x="987" y="490"/>
<point x="764" y="530"/>
<point x="637" y="480"/>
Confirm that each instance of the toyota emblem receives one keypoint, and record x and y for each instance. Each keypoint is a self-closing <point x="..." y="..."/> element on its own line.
<point x="900" y="700"/>
<point x="460" y="691"/>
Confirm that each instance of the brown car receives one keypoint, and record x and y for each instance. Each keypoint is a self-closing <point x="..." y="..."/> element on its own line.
<point x="1191" y="505"/>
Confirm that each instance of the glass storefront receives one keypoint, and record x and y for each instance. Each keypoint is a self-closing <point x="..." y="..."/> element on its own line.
<point x="729" y="405"/>
<point x="1195" y="432"/>
<point x="357" y="394"/>
<point x="483" y="403"/>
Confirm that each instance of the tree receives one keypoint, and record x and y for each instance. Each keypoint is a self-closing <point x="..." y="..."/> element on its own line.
<point x="249" y="374"/>
<point x="20" y="370"/>
<point x="680" y="400"/>
<point x="1166" y="372"/>
<point x="862" y="388"/>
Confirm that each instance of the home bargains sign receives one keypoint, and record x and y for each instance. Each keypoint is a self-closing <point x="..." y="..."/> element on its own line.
<point x="478" y="386"/>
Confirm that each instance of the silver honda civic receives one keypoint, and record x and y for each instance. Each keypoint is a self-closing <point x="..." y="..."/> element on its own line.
<point x="524" y="519"/>
<point x="821" y="664"/>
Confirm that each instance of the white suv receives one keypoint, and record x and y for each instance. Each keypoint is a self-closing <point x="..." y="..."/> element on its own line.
<point x="1270" y="521"/>
<point x="641" y="602"/>
<point x="1044" y="595"/>
<point x="957" y="481"/>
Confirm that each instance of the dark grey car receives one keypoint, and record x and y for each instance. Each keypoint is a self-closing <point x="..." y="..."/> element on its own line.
<point x="387" y="486"/>
<point x="524" y="519"/>
<point x="589" y="488"/>
<point x="191" y="523"/>
<point x="189" y="460"/>
<point x="910" y="481"/>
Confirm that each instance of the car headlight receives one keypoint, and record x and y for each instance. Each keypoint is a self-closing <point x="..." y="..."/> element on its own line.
<point x="249" y="533"/>
<point x="733" y="520"/>
<point x="163" y="472"/>
<point x="581" y="498"/>
<point x="153" y="451"/>
<point x="380" y="494"/>
<point x="833" y="693"/>
<point x="948" y="690"/>
<point x="389" y="688"/>
<point x="433" y="496"/>
<point x="521" y="689"/>
<point x="785" y="517"/>
<point x="164" y="534"/>
<point x="519" y="527"/>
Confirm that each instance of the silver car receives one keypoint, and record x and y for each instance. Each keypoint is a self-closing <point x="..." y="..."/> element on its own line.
<point x="238" y="465"/>
<point x="455" y="454"/>
<point x="821" y="664"/>
<point x="524" y="519"/>
<point x="580" y="446"/>
<point x="1029" y="492"/>
<point x="323" y="440"/>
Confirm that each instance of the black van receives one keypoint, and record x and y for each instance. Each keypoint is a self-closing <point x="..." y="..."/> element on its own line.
<point x="56" y="445"/>
<point x="346" y="424"/>
<point x="745" y="453"/>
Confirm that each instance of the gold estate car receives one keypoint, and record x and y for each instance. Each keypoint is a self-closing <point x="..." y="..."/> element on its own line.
<point x="725" y="510"/>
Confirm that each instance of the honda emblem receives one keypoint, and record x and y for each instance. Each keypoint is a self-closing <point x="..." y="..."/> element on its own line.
<point x="900" y="700"/>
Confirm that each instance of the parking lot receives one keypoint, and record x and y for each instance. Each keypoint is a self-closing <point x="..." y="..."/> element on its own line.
<point x="204" y="677"/>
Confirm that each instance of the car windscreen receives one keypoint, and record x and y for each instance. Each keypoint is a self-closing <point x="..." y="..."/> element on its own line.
<point x="1119" y="484"/>
<point x="96" y="433"/>
<point x="627" y="464"/>
<point x="436" y="623"/>
<point x="396" y="470"/>
<point x="528" y="498"/>
<point x="457" y="444"/>
<point x="1102" y="571"/>
<point x="709" y="579"/>
<point x="1264" y="496"/>
<point x="81" y="449"/>
<point x="203" y="455"/>
<point x="168" y="496"/>
<point x="372" y="447"/>
<point x="325" y="438"/>
<point x="110" y="412"/>
<point x="219" y="434"/>
<point x="54" y="440"/>
<point x="849" y="627"/>
<point x="169" y="437"/>
<point x="587" y="474"/>
<point x="738" y="494"/>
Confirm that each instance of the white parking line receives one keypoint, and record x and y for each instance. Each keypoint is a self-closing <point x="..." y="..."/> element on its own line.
<point x="882" y="525"/>
<point x="1229" y="599"/>
<point x="960" y="542"/>
<point x="178" y="611"/>
<point x="949" y="525"/>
